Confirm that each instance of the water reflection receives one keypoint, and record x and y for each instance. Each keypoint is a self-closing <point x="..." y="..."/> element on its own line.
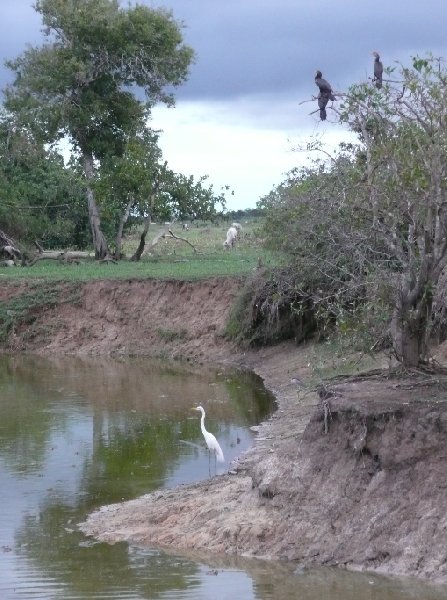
<point x="78" y="433"/>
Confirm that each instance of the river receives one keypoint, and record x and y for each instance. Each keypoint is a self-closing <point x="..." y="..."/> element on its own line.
<point x="77" y="433"/>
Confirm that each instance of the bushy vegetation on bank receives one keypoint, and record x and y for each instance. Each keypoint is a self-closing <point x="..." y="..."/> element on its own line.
<point x="364" y="228"/>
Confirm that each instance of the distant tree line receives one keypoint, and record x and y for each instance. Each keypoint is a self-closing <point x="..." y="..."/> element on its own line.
<point x="246" y="213"/>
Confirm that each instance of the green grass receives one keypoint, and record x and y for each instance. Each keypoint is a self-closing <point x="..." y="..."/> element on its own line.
<point x="332" y="359"/>
<point x="175" y="267"/>
<point x="171" y="259"/>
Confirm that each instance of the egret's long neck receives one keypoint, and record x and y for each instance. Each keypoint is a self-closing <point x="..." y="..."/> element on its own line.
<point x="202" y="423"/>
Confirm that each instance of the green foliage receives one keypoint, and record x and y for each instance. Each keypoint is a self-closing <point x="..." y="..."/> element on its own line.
<point x="80" y="84"/>
<point x="83" y="84"/>
<point x="317" y="220"/>
<point x="339" y="272"/>
<point x="39" y="197"/>
<point x="190" y="199"/>
<point x="139" y="182"/>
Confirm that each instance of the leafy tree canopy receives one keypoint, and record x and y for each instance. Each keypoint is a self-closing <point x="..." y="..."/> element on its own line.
<point x="81" y="83"/>
<point x="141" y="180"/>
<point x="39" y="197"/>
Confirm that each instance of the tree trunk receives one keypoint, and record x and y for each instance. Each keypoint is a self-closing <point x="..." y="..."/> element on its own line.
<point x="409" y="329"/>
<point x="119" y="234"/>
<point x="99" y="241"/>
<point x="139" y="251"/>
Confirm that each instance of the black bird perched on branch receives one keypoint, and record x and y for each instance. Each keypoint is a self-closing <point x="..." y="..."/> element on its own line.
<point x="378" y="70"/>
<point x="325" y="94"/>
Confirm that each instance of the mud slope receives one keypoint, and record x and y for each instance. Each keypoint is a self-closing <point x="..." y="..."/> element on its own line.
<point x="368" y="494"/>
<point x="172" y="319"/>
<point x="358" y="479"/>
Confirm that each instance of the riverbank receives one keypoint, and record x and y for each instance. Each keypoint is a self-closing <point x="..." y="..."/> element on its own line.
<point x="353" y="476"/>
<point x="364" y="490"/>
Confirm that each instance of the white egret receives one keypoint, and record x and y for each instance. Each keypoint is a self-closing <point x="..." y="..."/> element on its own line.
<point x="211" y="442"/>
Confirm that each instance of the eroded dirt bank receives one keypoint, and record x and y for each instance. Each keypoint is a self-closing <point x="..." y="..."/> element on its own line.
<point x="361" y="484"/>
<point x="170" y="319"/>
<point x="368" y="494"/>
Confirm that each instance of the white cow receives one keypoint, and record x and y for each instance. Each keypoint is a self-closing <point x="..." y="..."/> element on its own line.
<point x="231" y="238"/>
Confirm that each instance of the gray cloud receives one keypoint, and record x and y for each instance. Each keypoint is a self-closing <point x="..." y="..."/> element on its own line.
<point x="20" y="26"/>
<point x="264" y="47"/>
<point x="257" y="46"/>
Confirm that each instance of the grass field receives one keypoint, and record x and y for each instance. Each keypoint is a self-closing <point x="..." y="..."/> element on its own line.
<point x="170" y="258"/>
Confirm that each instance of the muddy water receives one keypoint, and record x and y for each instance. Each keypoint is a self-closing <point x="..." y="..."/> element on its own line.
<point x="76" y="434"/>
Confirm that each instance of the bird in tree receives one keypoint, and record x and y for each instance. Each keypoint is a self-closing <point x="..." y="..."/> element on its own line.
<point x="325" y="94"/>
<point x="378" y="70"/>
<point x="211" y="442"/>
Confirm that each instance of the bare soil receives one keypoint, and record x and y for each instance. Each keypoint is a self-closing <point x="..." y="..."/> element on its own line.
<point x="354" y="475"/>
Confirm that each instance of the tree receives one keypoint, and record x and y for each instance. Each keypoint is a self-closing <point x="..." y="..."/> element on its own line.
<point x="139" y="183"/>
<point x="40" y="198"/>
<point x="368" y="227"/>
<point x="175" y="196"/>
<point x="82" y="84"/>
<point x="129" y="182"/>
<point x="403" y="132"/>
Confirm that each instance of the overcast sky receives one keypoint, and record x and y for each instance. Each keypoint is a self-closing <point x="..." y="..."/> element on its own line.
<point x="238" y="118"/>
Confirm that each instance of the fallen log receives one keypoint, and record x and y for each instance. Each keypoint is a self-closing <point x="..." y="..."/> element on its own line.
<point x="7" y="263"/>
<point x="65" y="256"/>
<point x="177" y="237"/>
<point x="8" y="248"/>
<point x="159" y="237"/>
